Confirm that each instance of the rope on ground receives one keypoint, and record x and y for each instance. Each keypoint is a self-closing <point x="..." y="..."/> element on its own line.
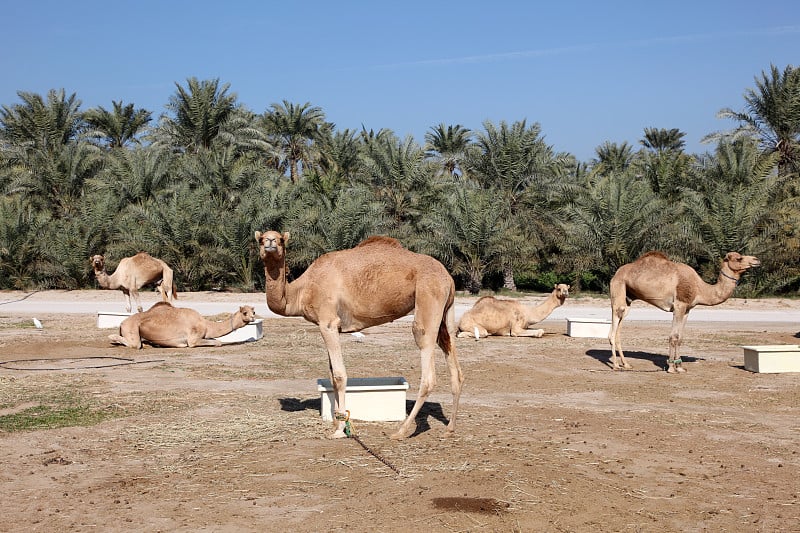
<point x="19" y="299"/>
<point x="125" y="361"/>
<point x="350" y="432"/>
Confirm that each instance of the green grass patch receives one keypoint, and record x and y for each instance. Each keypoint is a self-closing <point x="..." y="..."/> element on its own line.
<point x="58" y="411"/>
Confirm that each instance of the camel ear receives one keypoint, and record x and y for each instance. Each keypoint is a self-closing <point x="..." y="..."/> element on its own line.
<point x="258" y="236"/>
<point x="285" y="237"/>
<point x="555" y="286"/>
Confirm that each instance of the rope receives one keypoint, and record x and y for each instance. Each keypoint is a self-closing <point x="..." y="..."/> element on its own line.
<point x="125" y="360"/>
<point x="350" y="432"/>
<point x="19" y="299"/>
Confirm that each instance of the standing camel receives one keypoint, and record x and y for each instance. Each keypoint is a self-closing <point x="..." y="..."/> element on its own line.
<point x="177" y="327"/>
<point x="132" y="274"/>
<point x="494" y="316"/>
<point x="672" y="287"/>
<point x="374" y="283"/>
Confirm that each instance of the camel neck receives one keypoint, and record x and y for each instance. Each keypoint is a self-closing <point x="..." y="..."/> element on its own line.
<point x="275" y="274"/>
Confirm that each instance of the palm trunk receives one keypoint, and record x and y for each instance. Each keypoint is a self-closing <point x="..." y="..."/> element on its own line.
<point x="508" y="278"/>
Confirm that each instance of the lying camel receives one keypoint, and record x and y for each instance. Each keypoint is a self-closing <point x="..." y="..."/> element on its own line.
<point x="493" y="316"/>
<point x="177" y="327"/>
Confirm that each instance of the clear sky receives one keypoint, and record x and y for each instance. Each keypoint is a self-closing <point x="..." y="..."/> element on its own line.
<point x="586" y="71"/>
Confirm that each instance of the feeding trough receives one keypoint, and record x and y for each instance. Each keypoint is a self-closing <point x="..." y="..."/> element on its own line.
<point x="588" y="327"/>
<point x="247" y="333"/>
<point x="772" y="359"/>
<point x="368" y="399"/>
<point x="110" y="319"/>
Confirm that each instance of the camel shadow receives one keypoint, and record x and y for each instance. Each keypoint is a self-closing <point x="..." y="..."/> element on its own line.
<point x="427" y="411"/>
<point x="293" y="405"/>
<point x="658" y="360"/>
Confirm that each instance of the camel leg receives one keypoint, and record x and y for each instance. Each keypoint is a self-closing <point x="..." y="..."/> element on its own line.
<point x="131" y="341"/>
<point x="674" y="363"/>
<point x="134" y="293"/>
<point x="538" y="333"/>
<point x="448" y="346"/>
<point x="191" y="343"/>
<point x="425" y="335"/>
<point x="127" y="294"/>
<point x="338" y="374"/>
<point x="618" y="313"/>
<point x="476" y="332"/>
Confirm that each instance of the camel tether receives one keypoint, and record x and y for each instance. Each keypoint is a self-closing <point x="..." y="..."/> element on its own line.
<point x="672" y="287"/>
<point x="376" y="282"/>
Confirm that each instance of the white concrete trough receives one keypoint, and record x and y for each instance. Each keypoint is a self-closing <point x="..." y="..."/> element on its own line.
<point x="247" y="333"/>
<point x="368" y="399"/>
<point x="588" y="327"/>
<point x="110" y="319"/>
<point x="772" y="359"/>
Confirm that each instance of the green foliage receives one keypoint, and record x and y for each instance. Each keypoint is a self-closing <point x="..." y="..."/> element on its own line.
<point x="494" y="205"/>
<point x="57" y="411"/>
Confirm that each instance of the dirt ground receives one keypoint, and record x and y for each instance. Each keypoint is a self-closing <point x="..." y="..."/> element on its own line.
<point x="549" y="438"/>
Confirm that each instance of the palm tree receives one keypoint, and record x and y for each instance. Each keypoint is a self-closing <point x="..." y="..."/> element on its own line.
<point x="44" y="127"/>
<point x="296" y="128"/>
<point x="514" y="161"/>
<point x="136" y="176"/>
<point x="663" y="140"/>
<point x="398" y="176"/>
<point x="616" y="219"/>
<point x="448" y="146"/>
<point x="120" y="126"/>
<point x="612" y="158"/>
<point x="772" y="115"/>
<point x="339" y="155"/>
<point x="198" y="114"/>
<point x="473" y="235"/>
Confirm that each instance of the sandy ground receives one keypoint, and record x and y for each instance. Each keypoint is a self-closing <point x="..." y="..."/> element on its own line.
<point x="549" y="438"/>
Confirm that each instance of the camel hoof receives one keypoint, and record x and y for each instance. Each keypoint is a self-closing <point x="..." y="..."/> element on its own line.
<point x="401" y="433"/>
<point x="338" y="434"/>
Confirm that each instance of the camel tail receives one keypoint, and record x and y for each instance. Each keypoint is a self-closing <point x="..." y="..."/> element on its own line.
<point x="174" y="291"/>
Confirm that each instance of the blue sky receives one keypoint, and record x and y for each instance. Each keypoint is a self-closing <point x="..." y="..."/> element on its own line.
<point x="586" y="71"/>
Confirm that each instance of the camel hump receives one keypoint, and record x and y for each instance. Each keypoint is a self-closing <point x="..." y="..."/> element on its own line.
<point x="381" y="240"/>
<point x="655" y="254"/>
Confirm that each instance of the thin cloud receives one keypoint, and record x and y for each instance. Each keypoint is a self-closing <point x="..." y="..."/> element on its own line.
<point x="542" y="52"/>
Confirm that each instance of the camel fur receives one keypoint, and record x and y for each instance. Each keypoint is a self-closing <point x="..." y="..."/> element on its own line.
<point x="672" y="287"/>
<point x="374" y="283"/>
<point x="495" y="316"/>
<point x="177" y="327"/>
<point x="132" y="274"/>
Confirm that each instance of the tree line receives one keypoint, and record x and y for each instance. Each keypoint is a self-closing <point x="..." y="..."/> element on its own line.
<point x="496" y="205"/>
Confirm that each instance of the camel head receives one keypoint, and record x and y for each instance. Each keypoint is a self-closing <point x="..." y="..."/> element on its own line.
<point x="248" y="313"/>
<point x="739" y="263"/>
<point x="272" y="243"/>
<point x="561" y="290"/>
<point x="98" y="263"/>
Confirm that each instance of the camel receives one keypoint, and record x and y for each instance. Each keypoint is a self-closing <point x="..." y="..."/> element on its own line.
<point x="494" y="316"/>
<point x="672" y="287"/>
<point x="374" y="283"/>
<point x="177" y="327"/>
<point x="132" y="274"/>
